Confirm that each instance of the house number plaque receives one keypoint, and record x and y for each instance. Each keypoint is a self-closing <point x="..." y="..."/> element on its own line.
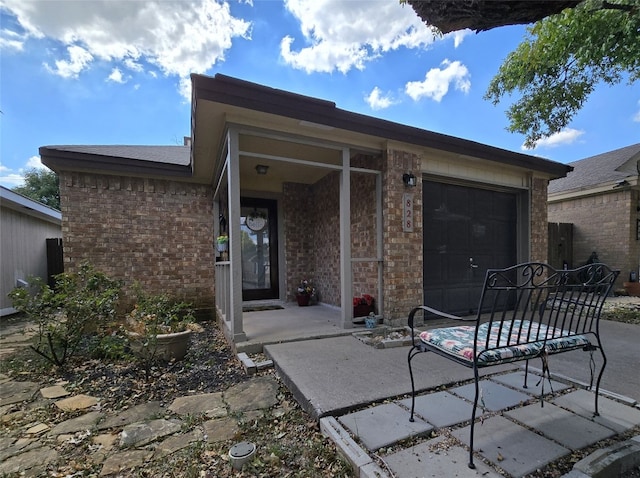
<point x="407" y="212"/>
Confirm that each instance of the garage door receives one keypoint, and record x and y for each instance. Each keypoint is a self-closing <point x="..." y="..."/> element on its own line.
<point x="466" y="231"/>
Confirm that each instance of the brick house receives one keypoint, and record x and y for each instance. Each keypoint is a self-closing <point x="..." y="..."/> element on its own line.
<point x="601" y="198"/>
<point x="357" y="204"/>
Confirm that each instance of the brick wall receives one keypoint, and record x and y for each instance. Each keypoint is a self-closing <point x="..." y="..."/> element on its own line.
<point x="158" y="232"/>
<point x="604" y="223"/>
<point x="298" y="235"/>
<point x="312" y="235"/>
<point x="539" y="221"/>
<point x="402" y="250"/>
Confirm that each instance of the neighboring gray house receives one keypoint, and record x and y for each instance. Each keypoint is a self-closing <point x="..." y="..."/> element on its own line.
<point x="601" y="198"/>
<point x="25" y="225"/>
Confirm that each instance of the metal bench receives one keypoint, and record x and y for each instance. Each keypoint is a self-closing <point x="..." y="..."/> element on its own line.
<point x="525" y="312"/>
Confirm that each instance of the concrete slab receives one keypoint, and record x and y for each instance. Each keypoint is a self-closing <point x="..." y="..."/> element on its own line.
<point x="493" y="396"/>
<point x="613" y="414"/>
<point x="336" y="375"/>
<point x="383" y="425"/>
<point x="535" y="383"/>
<point x="513" y="448"/>
<point x="431" y="459"/>
<point x="568" y="429"/>
<point x="441" y="409"/>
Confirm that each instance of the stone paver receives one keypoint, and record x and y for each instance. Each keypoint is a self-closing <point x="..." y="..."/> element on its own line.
<point x="15" y="392"/>
<point x="177" y="442"/>
<point x="138" y="413"/>
<point x="493" y="396"/>
<point x="37" y="429"/>
<point x="511" y="447"/>
<point x="429" y="459"/>
<point x="77" y="402"/>
<point x="36" y="457"/>
<point x="568" y="429"/>
<point x="55" y="391"/>
<point x="534" y="383"/>
<point x="220" y="429"/>
<point x="254" y="394"/>
<point x="139" y="434"/>
<point x="126" y="460"/>
<point x="441" y="409"/>
<point x="613" y="415"/>
<point x="394" y="420"/>
<point x="83" y="422"/>
<point x="211" y="404"/>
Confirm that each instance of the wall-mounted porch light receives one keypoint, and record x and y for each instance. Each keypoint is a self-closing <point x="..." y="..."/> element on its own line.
<point x="262" y="169"/>
<point x="409" y="180"/>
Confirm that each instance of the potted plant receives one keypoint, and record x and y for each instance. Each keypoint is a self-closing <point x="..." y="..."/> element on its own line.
<point x="363" y="305"/>
<point x="159" y="327"/>
<point x="305" y="293"/>
<point x="222" y="242"/>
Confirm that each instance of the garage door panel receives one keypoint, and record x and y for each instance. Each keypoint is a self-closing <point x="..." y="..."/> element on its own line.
<point x="467" y="231"/>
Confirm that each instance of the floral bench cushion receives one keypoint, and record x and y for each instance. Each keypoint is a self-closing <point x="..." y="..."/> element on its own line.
<point x="458" y="341"/>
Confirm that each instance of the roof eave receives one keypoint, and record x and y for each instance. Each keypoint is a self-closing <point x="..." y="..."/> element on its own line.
<point x="60" y="160"/>
<point x="227" y="90"/>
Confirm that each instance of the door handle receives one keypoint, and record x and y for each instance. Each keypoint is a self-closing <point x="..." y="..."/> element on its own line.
<point x="471" y="264"/>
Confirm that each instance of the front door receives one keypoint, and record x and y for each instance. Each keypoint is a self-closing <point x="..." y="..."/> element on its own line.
<point x="466" y="231"/>
<point x="259" y="235"/>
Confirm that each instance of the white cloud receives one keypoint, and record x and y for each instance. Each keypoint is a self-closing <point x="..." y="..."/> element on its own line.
<point x="378" y="101"/>
<point x="116" y="76"/>
<point x="636" y="117"/>
<point x="11" y="180"/>
<point x="458" y="36"/>
<point x="177" y="37"/>
<point x="11" y="40"/>
<point x="79" y="59"/>
<point x="343" y="35"/>
<point x="564" y="137"/>
<point x="437" y="81"/>
<point x="35" y="162"/>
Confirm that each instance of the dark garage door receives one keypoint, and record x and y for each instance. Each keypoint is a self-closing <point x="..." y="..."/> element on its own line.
<point x="466" y="231"/>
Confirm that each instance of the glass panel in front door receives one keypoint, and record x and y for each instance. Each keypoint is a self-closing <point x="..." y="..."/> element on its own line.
<point x="255" y="248"/>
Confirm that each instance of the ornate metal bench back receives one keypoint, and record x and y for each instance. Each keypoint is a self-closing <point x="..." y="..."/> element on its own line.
<point x="533" y="302"/>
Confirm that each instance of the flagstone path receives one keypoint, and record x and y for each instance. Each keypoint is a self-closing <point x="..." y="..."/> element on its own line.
<point x="124" y="440"/>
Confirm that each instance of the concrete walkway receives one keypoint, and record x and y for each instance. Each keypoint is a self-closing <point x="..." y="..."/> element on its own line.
<point x="359" y="394"/>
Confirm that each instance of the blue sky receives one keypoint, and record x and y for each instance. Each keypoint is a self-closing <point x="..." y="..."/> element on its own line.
<point x="116" y="72"/>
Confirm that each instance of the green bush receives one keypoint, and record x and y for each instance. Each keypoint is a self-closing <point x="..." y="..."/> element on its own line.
<point x="81" y="303"/>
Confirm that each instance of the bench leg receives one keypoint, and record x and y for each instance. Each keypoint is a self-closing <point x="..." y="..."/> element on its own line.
<point x="604" y="364"/>
<point x="412" y="353"/>
<point x="473" y="416"/>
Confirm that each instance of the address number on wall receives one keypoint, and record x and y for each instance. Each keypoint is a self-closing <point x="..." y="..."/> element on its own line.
<point x="407" y="212"/>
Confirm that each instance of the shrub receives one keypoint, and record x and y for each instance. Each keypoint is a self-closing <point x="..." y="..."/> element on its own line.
<point x="81" y="303"/>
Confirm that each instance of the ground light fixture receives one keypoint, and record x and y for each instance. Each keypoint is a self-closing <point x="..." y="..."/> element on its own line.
<point x="241" y="453"/>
